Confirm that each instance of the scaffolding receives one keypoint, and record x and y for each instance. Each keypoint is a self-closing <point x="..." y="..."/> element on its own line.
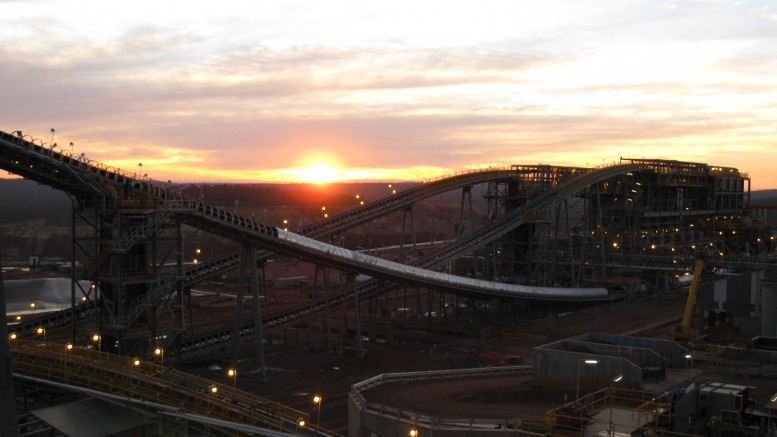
<point x="614" y="231"/>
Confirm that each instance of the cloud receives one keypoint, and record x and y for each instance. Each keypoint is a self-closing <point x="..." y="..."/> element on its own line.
<point x="220" y="92"/>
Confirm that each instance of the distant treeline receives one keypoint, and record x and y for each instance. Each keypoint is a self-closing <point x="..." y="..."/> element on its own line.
<point x="763" y="198"/>
<point x="336" y="196"/>
<point x="24" y="200"/>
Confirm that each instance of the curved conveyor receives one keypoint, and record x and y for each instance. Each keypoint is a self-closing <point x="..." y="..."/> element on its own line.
<point x="443" y="281"/>
<point x="238" y="228"/>
<point x="230" y="225"/>
<point x="211" y="340"/>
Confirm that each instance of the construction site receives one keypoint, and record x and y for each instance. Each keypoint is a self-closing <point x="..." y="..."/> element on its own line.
<point x="635" y="298"/>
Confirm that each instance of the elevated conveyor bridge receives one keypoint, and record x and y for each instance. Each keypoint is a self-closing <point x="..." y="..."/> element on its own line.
<point x="458" y="285"/>
<point x="133" y="216"/>
<point x="158" y="391"/>
<point x="92" y="183"/>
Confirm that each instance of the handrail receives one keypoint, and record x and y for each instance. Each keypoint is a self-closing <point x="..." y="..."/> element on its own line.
<point x="120" y="375"/>
<point x="357" y="397"/>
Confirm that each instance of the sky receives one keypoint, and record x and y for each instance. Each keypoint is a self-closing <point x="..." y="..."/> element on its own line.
<point x="300" y="91"/>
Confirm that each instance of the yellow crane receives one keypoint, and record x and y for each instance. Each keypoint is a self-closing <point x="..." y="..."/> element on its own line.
<point x="684" y="331"/>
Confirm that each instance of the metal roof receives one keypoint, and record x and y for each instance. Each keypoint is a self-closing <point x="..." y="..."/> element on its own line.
<point x="91" y="418"/>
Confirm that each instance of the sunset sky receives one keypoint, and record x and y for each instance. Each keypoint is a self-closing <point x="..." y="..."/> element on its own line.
<point x="293" y="91"/>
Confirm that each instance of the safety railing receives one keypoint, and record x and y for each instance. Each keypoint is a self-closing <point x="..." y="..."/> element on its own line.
<point x="522" y="426"/>
<point x="137" y="379"/>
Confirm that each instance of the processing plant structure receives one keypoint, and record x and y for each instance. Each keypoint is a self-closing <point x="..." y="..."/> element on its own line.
<point x="548" y="234"/>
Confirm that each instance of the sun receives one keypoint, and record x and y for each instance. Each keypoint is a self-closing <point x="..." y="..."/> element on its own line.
<point x="319" y="174"/>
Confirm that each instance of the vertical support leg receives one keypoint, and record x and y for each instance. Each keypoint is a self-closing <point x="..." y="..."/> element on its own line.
<point x="569" y="239"/>
<point x="315" y="281"/>
<point x="344" y="317"/>
<point x="412" y="230"/>
<point x="407" y="309"/>
<point x="371" y="318"/>
<point x="180" y="289"/>
<point x="429" y="296"/>
<point x="390" y="311"/>
<point x="190" y="312"/>
<point x="600" y="225"/>
<point x="72" y="275"/>
<point x="412" y="226"/>
<point x="255" y="308"/>
<point x="402" y="237"/>
<point x="349" y="283"/>
<point x="328" y="330"/>
<point x="98" y="307"/>
<point x="239" y="306"/>
<point x="419" y="310"/>
<point x="556" y="221"/>
<point x="8" y="424"/>
<point x="583" y="246"/>
<point x="471" y="211"/>
<point x="465" y="192"/>
<point x="456" y="311"/>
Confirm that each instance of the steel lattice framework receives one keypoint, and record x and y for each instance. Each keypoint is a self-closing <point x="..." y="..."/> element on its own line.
<point x="551" y="233"/>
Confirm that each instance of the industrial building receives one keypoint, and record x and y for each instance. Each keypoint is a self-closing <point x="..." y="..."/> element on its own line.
<point x="551" y="237"/>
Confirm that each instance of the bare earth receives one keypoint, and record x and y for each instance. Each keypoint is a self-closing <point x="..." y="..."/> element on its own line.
<point x="303" y="367"/>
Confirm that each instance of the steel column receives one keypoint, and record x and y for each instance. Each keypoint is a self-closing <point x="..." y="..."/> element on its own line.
<point x="8" y="426"/>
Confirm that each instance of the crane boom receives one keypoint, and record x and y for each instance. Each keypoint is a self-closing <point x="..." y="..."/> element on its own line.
<point x="685" y="331"/>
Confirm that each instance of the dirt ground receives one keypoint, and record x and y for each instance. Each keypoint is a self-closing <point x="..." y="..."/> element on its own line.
<point x="299" y="366"/>
<point x="303" y="361"/>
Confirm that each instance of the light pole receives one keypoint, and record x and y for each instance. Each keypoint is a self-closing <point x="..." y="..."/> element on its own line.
<point x="769" y="421"/>
<point x="42" y="331"/>
<point x="68" y="348"/>
<point x="135" y="362"/>
<point x="97" y="338"/>
<point x="161" y="354"/>
<point x="318" y="400"/>
<point x="579" y="362"/>
<point x="232" y="373"/>
<point x="612" y="401"/>
<point x="689" y="357"/>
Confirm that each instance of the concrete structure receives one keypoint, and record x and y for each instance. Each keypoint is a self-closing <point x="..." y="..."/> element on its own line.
<point x="374" y="419"/>
<point x="637" y="359"/>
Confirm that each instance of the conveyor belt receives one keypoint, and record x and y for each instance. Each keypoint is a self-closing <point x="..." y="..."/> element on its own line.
<point x="120" y="377"/>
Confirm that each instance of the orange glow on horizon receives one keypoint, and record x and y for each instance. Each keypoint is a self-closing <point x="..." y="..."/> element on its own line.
<point x="316" y="166"/>
<point x="319" y="174"/>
